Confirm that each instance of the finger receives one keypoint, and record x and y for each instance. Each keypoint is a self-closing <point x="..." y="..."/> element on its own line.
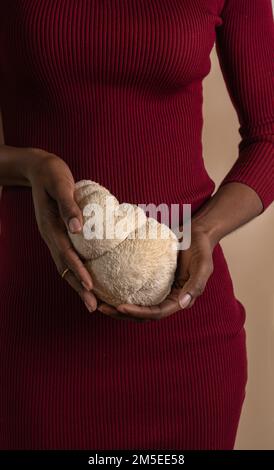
<point x="182" y="269"/>
<point x="195" y="285"/>
<point x="112" y="312"/>
<point x="106" y="308"/>
<point x="88" y="298"/>
<point x="69" y="210"/>
<point x="70" y="258"/>
<point x="154" y="312"/>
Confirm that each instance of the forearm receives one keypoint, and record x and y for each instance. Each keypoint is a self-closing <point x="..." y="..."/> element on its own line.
<point x="233" y="205"/>
<point x="15" y="163"/>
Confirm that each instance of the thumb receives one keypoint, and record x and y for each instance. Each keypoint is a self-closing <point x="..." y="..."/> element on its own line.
<point x="70" y="211"/>
<point x="194" y="286"/>
<point x="186" y="294"/>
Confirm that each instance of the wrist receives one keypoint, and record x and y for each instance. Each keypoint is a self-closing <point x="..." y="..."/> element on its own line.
<point x="204" y="229"/>
<point x="16" y="164"/>
<point x="212" y="232"/>
<point x="33" y="161"/>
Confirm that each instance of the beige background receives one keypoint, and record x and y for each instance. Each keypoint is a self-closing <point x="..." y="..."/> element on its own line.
<point x="250" y="255"/>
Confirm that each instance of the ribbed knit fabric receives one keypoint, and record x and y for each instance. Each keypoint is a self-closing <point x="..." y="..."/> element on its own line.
<point x="115" y="88"/>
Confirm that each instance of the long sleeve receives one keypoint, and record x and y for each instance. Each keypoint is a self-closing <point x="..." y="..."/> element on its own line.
<point x="245" y="48"/>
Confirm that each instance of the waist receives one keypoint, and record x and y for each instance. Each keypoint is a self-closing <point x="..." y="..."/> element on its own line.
<point x="28" y="275"/>
<point x="22" y="248"/>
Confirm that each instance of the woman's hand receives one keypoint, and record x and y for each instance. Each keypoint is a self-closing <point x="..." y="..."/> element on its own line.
<point x="194" y="268"/>
<point x="56" y="212"/>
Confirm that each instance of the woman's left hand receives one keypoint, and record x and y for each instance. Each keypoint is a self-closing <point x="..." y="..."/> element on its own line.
<point x="194" y="267"/>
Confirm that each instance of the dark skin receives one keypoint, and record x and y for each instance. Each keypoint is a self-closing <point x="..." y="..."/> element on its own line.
<point x="52" y="184"/>
<point x="56" y="211"/>
<point x="232" y="206"/>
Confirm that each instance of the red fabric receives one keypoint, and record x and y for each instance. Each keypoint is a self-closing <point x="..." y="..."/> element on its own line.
<point x="115" y="88"/>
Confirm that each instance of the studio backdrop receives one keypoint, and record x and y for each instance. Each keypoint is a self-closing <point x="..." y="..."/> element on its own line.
<point x="250" y="255"/>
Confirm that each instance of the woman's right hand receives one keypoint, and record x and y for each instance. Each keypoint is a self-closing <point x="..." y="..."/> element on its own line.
<point x="56" y="212"/>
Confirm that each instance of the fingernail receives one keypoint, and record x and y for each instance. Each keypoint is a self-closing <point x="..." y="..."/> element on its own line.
<point x="120" y="308"/>
<point x="86" y="286"/>
<point x="74" y="225"/>
<point x="89" y="307"/>
<point x="185" y="300"/>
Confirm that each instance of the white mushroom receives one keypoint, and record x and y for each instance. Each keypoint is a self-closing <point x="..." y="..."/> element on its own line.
<point x="133" y="263"/>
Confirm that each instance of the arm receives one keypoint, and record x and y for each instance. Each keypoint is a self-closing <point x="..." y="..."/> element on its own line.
<point x="52" y="187"/>
<point x="13" y="162"/>
<point x="245" y="45"/>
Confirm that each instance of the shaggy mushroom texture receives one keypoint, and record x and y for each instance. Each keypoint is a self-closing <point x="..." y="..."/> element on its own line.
<point x="132" y="258"/>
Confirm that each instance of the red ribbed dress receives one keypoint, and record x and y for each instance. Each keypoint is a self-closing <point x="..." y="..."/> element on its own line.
<point x="114" y="87"/>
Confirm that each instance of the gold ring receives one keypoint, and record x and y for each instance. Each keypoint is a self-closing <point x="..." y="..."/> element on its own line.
<point x="64" y="273"/>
